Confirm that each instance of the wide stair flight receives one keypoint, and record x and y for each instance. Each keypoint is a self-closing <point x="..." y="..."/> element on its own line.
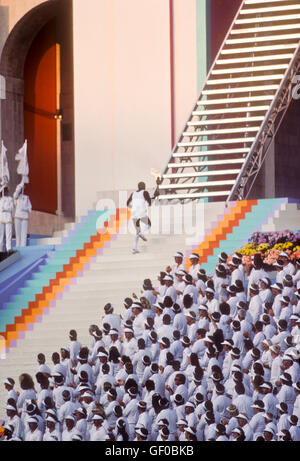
<point x="240" y="108"/>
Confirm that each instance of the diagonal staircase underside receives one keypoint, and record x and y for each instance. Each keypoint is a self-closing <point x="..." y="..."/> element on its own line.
<point x="240" y="108"/>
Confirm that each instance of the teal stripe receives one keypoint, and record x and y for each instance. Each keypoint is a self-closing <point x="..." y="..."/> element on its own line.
<point x="203" y="53"/>
<point x="62" y="256"/>
<point x="203" y="41"/>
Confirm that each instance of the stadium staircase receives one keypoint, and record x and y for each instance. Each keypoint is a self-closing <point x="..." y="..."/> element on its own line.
<point x="240" y="108"/>
<point x="91" y="265"/>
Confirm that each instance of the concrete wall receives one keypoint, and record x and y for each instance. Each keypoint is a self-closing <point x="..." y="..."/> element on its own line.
<point x="185" y="62"/>
<point x="128" y="73"/>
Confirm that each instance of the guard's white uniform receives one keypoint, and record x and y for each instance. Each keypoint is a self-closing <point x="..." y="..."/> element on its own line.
<point x="22" y="209"/>
<point x="6" y="214"/>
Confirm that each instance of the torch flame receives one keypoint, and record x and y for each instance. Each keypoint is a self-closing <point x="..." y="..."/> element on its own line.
<point x="155" y="173"/>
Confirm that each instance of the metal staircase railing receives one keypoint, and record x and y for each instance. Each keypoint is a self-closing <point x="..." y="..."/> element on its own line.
<point x="240" y="108"/>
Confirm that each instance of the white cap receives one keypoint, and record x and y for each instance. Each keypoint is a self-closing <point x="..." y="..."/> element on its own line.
<point x="265" y="281"/>
<point x="276" y="286"/>
<point x="182" y="422"/>
<point x="189" y="404"/>
<point x="168" y="278"/>
<point x="10" y="407"/>
<point x="226" y="343"/>
<point x="265" y="386"/>
<point x="191" y="314"/>
<point x="141" y="431"/>
<point x="285" y="299"/>
<point x="269" y="428"/>
<point x="65" y="348"/>
<point x="190" y="430"/>
<point x="102" y="354"/>
<point x="51" y="419"/>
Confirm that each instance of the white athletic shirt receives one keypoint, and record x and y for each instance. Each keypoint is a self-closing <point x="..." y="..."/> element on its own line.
<point x="139" y="205"/>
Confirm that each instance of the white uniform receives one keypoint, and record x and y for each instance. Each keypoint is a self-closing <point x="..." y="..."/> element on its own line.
<point x="255" y="308"/>
<point x="193" y="271"/>
<point x="22" y="209"/>
<point x="68" y="434"/>
<point x="131" y="414"/>
<point x="289" y="269"/>
<point x="6" y="214"/>
<point x="48" y="436"/>
<point x="35" y="436"/>
<point x="139" y="205"/>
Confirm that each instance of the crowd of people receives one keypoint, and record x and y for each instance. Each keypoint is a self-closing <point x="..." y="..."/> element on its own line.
<point x="195" y="357"/>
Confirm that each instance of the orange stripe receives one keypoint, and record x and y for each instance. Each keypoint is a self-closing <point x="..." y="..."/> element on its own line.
<point x="223" y="228"/>
<point x="63" y="278"/>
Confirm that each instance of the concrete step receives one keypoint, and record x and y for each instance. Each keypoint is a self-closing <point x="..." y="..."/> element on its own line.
<point x="119" y="290"/>
<point x="136" y="264"/>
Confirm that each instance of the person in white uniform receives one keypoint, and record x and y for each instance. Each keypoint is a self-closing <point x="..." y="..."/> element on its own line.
<point x="22" y="209"/>
<point x="34" y="434"/>
<point x="288" y="266"/>
<point x="195" y="266"/>
<point x="6" y="219"/>
<point x="139" y="201"/>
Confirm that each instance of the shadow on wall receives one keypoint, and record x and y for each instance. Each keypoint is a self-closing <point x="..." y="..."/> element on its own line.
<point x="3" y="36"/>
<point x="3" y="25"/>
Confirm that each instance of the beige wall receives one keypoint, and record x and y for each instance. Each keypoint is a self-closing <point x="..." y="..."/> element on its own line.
<point x="185" y="61"/>
<point x="123" y="90"/>
<point x="122" y="94"/>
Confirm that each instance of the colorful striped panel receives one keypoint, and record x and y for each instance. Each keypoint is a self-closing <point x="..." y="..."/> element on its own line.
<point x="50" y="292"/>
<point x="222" y="230"/>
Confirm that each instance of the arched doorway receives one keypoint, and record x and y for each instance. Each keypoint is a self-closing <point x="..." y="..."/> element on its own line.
<point x="40" y="123"/>
<point x="36" y="62"/>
